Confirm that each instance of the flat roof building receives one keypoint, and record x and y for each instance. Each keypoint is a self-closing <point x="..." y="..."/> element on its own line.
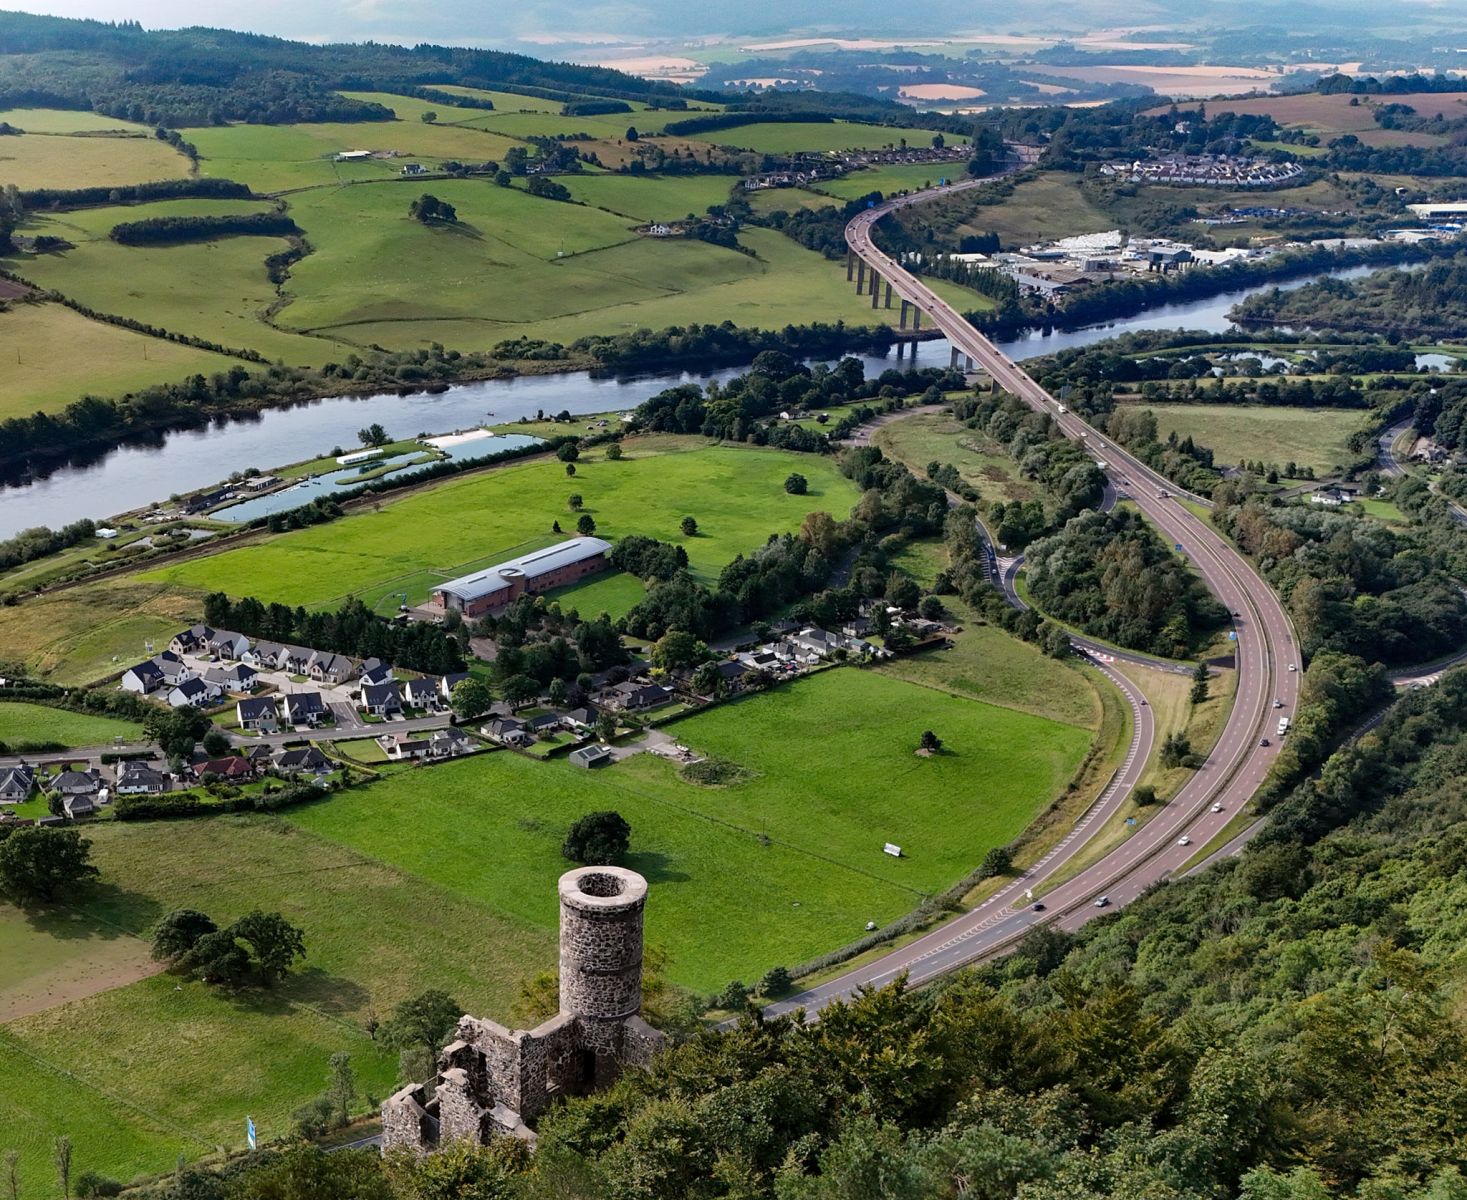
<point x="540" y="571"/>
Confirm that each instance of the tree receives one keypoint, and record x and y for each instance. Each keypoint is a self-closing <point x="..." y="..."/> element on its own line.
<point x="61" y="1155"/>
<point x="930" y="742"/>
<point x="38" y="862"/>
<point x="613" y="452"/>
<point x="632" y="134"/>
<point x="677" y="648"/>
<point x="734" y="996"/>
<point x="459" y="1170"/>
<point x="574" y="501"/>
<point x="341" y="1086"/>
<point x="997" y="861"/>
<point x="430" y="210"/>
<point x="470" y="698"/>
<point x="605" y="726"/>
<point x="930" y="608"/>
<point x="179" y="932"/>
<point x="373" y="435"/>
<point x="216" y="743"/>
<point x="547" y="189"/>
<point x="503" y="179"/>
<point x="568" y="452"/>
<point x="429" y="117"/>
<point x="586" y="526"/>
<point x="557" y="692"/>
<point x="218" y="958"/>
<point x="423" y="1022"/>
<point x="796" y="484"/>
<point x="1174" y="749"/>
<point x="597" y="839"/>
<point x="1199" y="683"/>
<point x="276" y="942"/>
<point x="1144" y="796"/>
<point x="689" y="526"/>
<point x="570" y="470"/>
<point x="707" y="679"/>
<point x="520" y="689"/>
<point x="901" y="591"/>
<point x="776" y="982"/>
<point x="306" y="1172"/>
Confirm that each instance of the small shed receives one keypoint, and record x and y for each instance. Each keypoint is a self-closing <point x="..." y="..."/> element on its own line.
<point x="590" y="756"/>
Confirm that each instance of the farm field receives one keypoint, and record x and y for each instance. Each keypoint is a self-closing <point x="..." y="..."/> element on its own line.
<point x="775" y="137"/>
<point x="49" y="160"/>
<point x="61" y="120"/>
<point x="921" y="439"/>
<point x="890" y="180"/>
<point x="1315" y="437"/>
<point x="808" y="839"/>
<point x="32" y="724"/>
<point x="1332" y="115"/>
<point x="216" y="290"/>
<point x="64" y="356"/>
<point x="736" y="493"/>
<point x="644" y="199"/>
<point x="86" y="633"/>
<point x="275" y="158"/>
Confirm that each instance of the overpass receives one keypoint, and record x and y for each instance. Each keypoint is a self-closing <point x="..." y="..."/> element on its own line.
<point x="1267" y="664"/>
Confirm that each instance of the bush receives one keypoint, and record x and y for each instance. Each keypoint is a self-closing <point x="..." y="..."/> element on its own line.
<point x="90" y="1183"/>
<point x="598" y="839"/>
<point x="796" y="484"/>
<point x="776" y="982"/>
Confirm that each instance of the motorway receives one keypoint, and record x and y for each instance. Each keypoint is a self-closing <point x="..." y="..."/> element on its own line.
<point x="1234" y="769"/>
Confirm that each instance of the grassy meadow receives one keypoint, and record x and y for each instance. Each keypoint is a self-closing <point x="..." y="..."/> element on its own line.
<point x="60" y="120"/>
<point x="22" y="724"/>
<point x="778" y="137"/>
<point x="58" y="160"/>
<point x="736" y="493"/>
<point x="52" y="356"/>
<point x="923" y="438"/>
<point x="1315" y="437"/>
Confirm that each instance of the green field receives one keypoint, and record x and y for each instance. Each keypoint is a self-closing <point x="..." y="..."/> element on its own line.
<point x="736" y="493"/>
<point x="34" y="723"/>
<point x="1315" y="437"/>
<point x="216" y="290"/>
<point x="774" y="869"/>
<point x="53" y="356"/>
<point x="60" y="120"/>
<point x="616" y="593"/>
<point x="890" y="180"/>
<point x="658" y="199"/>
<point x="773" y="137"/>
<point x="923" y="438"/>
<point x="47" y="160"/>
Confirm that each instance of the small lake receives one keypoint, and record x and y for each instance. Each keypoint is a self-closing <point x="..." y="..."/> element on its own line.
<point x="139" y="474"/>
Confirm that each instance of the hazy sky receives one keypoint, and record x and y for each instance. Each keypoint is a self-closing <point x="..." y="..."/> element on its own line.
<point x="544" y="24"/>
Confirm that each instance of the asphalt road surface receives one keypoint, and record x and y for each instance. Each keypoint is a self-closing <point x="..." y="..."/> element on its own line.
<point x="1232" y="772"/>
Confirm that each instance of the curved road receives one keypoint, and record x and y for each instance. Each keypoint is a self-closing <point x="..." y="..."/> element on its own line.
<point x="1233" y="771"/>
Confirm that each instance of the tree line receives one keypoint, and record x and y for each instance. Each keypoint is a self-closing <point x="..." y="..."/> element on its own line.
<point x="171" y="231"/>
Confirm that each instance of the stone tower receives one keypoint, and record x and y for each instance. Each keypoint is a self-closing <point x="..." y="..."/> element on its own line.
<point x="492" y="1080"/>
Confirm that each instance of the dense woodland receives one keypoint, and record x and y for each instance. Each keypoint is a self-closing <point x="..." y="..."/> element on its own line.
<point x="1430" y="302"/>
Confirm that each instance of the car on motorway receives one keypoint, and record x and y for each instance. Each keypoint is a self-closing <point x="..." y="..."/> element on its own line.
<point x="1039" y="906"/>
<point x="1263" y="741"/>
<point x="1217" y="807"/>
<point x="1292" y="667"/>
<point x="1278" y="703"/>
<point x="1102" y="902"/>
<point x="1162" y="493"/>
<point x="1184" y="840"/>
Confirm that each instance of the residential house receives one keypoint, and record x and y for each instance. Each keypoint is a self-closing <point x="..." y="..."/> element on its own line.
<point x="374" y="670"/>
<point x="226" y="644"/>
<point x="594" y="755"/>
<point x="234" y="678"/>
<point x="258" y="714"/>
<point x="544" y="723"/>
<point x="379" y="699"/>
<point x="449" y="743"/>
<point x="174" y="669"/>
<point x="264" y="656"/>
<point x="762" y="658"/>
<point x="401" y="747"/>
<point x="421" y="694"/>
<point x="326" y="667"/>
<point x="79" y="785"/>
<point x="232" y="768"/>
<point x="305" y="708"/>
<point x="581" y="719"/>
<point x="633" y="695"/>
<point x="139" y="779"/>
<point x="818" y="641"/>
<point x="294" y="659"/>
<point x="449" y="682"/>
<point x="16" y="784"/>
<point x="307" y="761"/>
<point x="145" y="677"/>
<point x="509" y="730"/>
<point x="259" y="756"/>
<point x="192" y="640"/>
<point x="193" y="693"/>
<point x="733" y="672"/>
<point x="858" y="627"/>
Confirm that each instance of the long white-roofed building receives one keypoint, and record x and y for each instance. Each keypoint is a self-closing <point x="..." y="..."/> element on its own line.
<point x="539" y="571"/>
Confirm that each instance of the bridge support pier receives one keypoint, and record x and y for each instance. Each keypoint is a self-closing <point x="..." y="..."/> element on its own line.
<point x="916" y="318"/>
<point x="902" y="324"/>
<point x="850" y="266"/>
<point x="860" y="275"/>
<point x="952" y="358"/>
<point x="888" y="294"/>
<point x="875" y="289"/>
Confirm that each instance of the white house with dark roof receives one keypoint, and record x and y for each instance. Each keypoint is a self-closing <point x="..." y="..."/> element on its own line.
<point x="193" y="693"/>
<point x="450" y="681"/>
<point x="379" y="699"/>
<point x="140" y="779"/>
<point x="306" y="760"/>
<point x="228" y="645"/>
<point x="294" y="659"/>
<point x="143" y="678"/>
<point x="494" y="588"/>
<point x="263" y="655"/>
<point x="374" y="670"/>
<point x="258" y="713"/>
<point x="16" y="784"/>
<point x="421" y="693"/>
<point x="331" y="668"/>
<point x="191" y="640"/>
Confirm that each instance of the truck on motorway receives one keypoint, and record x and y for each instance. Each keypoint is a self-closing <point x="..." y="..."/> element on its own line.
<point x="1283" y="726"/>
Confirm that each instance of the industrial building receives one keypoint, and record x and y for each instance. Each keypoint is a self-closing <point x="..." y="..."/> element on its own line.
<point x="494" y="588"/>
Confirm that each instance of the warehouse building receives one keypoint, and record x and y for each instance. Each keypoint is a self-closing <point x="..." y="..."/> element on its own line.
<point x="494" y="588"/>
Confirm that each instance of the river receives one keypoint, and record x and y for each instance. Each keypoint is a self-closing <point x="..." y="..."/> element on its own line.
<point x="135" y="475"/>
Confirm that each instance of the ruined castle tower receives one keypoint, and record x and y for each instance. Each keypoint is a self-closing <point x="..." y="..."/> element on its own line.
<point x="492" y="1080"/>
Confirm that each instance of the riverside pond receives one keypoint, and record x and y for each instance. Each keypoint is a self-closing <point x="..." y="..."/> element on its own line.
<point x="137" y="474"/>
